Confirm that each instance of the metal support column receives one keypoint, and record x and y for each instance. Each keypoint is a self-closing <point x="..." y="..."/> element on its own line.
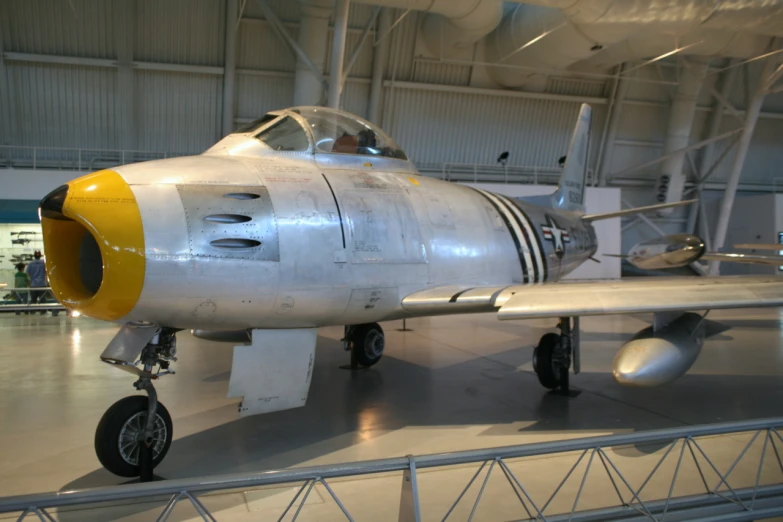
<point x="338" y="52"/>
<point x="309" y="82"/>
<point x="715" y="120"/>
<point x="125" y="15"/>
<point x="606" y="149"/>
<point x="379" y="58"/>
<point x="358" y="49"/>
<point x="5" y="100"/>
<point x="767" y="78"/>
<point x="229" y="65"/>
<point x="681" y="114"/>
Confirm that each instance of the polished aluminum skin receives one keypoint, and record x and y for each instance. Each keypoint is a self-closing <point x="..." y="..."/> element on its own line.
<point x="311" y="217"/>
<point x="256" y="238"/>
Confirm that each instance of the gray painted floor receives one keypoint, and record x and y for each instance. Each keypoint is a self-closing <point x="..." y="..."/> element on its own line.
<point x="452" y="383"/>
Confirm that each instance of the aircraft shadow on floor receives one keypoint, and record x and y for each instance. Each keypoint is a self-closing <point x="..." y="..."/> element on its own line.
<point x="345" y="406"/>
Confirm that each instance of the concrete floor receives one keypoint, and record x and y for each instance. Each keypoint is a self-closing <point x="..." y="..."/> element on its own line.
<point x="452" y="383"/>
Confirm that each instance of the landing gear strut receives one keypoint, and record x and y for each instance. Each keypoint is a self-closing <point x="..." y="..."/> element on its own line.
<point x="553" y="356"/>
<point x="366" y="343"/>
<point x="135" y="433"/>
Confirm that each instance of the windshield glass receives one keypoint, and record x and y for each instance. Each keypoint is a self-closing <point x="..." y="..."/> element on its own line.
<point x="284" y="135"/>
<point x="256" y="124"/>
<point x="343" y="133"/>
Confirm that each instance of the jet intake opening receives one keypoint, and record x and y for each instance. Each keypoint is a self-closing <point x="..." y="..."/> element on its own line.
<point x="90" y="264"/>
<point x="73" y="259"/>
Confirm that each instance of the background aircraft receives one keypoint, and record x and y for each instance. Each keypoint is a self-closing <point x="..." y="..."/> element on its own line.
<point x="313" y="217"/>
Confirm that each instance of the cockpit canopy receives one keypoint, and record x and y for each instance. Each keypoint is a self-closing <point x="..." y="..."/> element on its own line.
<point x="321" y="130"/>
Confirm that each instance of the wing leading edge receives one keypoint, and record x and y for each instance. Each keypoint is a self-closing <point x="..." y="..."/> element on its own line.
<point x="570" y="299"/>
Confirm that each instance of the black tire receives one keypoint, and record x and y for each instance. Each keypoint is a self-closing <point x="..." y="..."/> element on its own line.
<point x="110" y="428"/>
<point x="548" y="374"/>
<point x="368" y="343"/>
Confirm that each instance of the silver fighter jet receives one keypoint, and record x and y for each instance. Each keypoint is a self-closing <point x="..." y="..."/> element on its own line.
<point x="313" y="217"/>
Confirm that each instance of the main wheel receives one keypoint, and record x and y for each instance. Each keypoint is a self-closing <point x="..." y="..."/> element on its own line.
<point x="116" y="438"/>
<point x="368" y="343"/>
<point x="543" y="361"/>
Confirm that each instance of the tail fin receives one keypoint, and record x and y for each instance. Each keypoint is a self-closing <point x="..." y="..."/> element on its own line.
<point x="570" y="193"/>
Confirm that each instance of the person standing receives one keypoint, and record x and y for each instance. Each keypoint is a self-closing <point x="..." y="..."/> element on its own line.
<point x="21" y="280"/>
<point x="37" y="272"/>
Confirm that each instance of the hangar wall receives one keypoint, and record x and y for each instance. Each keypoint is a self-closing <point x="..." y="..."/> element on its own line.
<point x="148" y="75"/>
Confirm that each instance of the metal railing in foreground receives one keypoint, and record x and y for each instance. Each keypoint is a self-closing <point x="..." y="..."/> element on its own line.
<point x="21" y="300"/>
<point x="59" y="158"/>
<point x="737" y="493"/>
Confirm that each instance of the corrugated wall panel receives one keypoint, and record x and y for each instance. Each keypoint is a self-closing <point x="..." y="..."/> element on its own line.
<point x="626" y="156"/>
<point x="75" y="28"/>
<point x="764" y="161"/>
<point x="180" y="31"/>
<point x="355" y="97"/>
<point x="177" y="112"/>
<point x="401" y="48"/>
<point x="63" y="106"/>
<point x="286" y="10"/>
<point x="441" y="127"/>
<point x="258" y="47"/>
<point x="575" y="87"/>
<point x="441" y="73"/>
<point x="647" y="84"/>
<point x="643" y="122"/>
<point x="359" y="14"/>
<point x="257" y="95"/>
<point x="362" y="68"/>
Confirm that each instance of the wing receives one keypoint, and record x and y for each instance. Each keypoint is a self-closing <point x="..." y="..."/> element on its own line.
<point x="633" y="295"/>
<point x="754" y="259"/>
<point x="759" y="246"/>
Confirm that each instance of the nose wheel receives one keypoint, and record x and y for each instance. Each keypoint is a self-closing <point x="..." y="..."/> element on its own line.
<point x="552" y="357"/>
<point x="135" y="433"/>
<point x="122" y="438"/>
<point x="366" y="343"/>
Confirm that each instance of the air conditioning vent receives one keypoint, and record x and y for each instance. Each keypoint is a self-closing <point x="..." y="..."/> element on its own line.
<point x="227" y="218"/>
<point x="235" y="243"/>
<point x="242" y="195"/>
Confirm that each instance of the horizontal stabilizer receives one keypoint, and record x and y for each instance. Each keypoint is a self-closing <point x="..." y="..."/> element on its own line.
<point x="637" y="210"/>
<point x="759" y="246"/>
<point x="753" y="259"/>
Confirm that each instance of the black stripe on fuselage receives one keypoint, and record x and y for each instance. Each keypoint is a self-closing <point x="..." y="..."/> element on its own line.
<point x="536" y="239"/>
<point x="529" y="241"/>
<point x="517" y="243"/>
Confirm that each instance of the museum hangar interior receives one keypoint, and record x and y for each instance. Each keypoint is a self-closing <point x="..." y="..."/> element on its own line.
<point x="473" y="102"/>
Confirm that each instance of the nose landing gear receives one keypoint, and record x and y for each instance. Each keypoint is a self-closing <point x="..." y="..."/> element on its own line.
<point x="135" y="433"/>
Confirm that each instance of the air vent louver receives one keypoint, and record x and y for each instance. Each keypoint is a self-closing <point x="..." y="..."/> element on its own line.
<point x="242" y="195"/>
<point x="227" y="218"/>
<point x="235" y="243"/>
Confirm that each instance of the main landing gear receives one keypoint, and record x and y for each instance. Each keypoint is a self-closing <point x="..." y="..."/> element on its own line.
<point x="366" y="343"/>
<point x="553" y="355"/>
<point x="135" y="433"/>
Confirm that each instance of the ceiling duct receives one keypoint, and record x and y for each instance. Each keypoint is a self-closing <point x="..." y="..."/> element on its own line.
<point x="451" y="25"/>
<point x="598" y="34"/>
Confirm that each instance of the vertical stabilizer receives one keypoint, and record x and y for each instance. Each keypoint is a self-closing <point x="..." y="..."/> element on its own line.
<point x="570" y="194"/>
